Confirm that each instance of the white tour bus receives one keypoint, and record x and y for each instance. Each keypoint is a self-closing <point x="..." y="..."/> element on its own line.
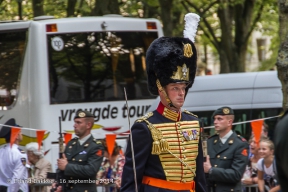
<point x="252" y="95"/>
<point x="51" y="68"/>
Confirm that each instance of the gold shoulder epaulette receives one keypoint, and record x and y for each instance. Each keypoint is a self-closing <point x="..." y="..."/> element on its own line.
<point x="242" y="138"/>
<point x="145" y="117"/>
<point x="97" y="141"/>
<point x="188" y="112"/>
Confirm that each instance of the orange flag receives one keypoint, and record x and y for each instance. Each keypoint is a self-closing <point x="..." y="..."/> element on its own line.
<point x="257" y="129"/>
<point x="110" y="141"/>
<point x="67" y="137"/>
<point x="121" y="152"/>
<point x="14" y="133"/>
<point x="40" y="136"/>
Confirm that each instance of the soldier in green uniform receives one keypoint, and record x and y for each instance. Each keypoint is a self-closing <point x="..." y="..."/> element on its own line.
<point x="167" y="145"/>
<point x="227" y="154"/>
<point x="82" y="156"/>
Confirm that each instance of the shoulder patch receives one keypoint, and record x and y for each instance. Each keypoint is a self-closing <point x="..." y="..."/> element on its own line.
<point x="23" y="160"/>
<point x="21" y="151"/>
<point x="145" y="117"/>
<point x="241" y="138"/>
<point x="189" y="113"/>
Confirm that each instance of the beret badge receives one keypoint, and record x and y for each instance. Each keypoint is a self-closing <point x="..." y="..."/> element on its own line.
<point x="81" y="114"/>
<point x="226" y="111"/>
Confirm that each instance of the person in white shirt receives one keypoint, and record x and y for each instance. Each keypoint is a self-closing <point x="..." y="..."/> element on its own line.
<point x="266" y="165"/>
<point x="13" y="171"/>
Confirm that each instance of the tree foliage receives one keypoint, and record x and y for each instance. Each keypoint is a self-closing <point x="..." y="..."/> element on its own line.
<point x="226" y="26"/>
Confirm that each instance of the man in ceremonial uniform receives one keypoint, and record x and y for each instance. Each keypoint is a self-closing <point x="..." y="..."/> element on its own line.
<point x="82" y="156"/>
<point x="13" y="171"/>
<point x="166" y="142"/>
<point x="227" y="154"/>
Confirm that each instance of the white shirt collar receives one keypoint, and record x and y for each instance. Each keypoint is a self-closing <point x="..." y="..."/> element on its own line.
<point x="84" y="139"/>
<point x="225" y="137"/>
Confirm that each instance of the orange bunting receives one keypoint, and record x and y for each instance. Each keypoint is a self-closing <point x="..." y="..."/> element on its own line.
<point x="121" y="152"/>
<point x="244" y="152"/>
<point x="14" y="133"/>
<point x="257" y="129"/>
<point x="67" y="137"/>
<point x="40" y="135"/>
<point x="110" y="141"/>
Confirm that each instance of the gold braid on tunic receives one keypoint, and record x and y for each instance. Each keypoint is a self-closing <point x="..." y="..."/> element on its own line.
<point x="162" y="147"/>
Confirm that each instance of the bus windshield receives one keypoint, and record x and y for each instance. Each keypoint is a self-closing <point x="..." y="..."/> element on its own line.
<point x="96" y="66"/>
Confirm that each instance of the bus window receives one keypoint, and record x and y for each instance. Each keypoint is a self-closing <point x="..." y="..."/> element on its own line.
<point x="12" y="49"/>
<point x="96" y="66"/>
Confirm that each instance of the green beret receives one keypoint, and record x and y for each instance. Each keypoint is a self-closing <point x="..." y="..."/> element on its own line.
<point x="223" y="111"/>
<point x="83" y="114"/>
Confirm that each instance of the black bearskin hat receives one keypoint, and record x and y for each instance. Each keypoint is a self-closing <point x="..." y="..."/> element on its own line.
<point x="173" y="59"/>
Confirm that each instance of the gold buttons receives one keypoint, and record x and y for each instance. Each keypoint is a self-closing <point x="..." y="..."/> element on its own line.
<point x="232" y="189"/>
<point x="71" y="187"/>
<point x="183" y="148"/>
<point x="225" y="157"/>
<point x="184" y="156"/>
<point x="73" y="159"/>
<point x="215" y="165"/>
<point x="70" y="147"/>
<point x="218" y="156"/>
<point x="80" y="160"/>
<point x="178" y="124"/>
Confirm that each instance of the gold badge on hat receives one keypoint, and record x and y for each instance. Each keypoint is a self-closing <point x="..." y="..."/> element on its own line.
<point x="187" y="50"/>
<point x="226" y="111"/>
<point x="182" y="73"/>
<point x="81" y="114"/>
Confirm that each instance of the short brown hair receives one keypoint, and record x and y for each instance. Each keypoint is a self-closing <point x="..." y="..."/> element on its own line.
<point x="116" y="149"/>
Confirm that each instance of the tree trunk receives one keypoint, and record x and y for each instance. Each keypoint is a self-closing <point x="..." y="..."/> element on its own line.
<point x="226" y="49"/>
<point x="166" y="16"/>
<point x="37" y="6"/>
<point x="20" y="9"/>
<point x="106" y="7"/>
<point x="282" y="60"/>
<point x="71" y="8"/>
<point x="232" y="49"/>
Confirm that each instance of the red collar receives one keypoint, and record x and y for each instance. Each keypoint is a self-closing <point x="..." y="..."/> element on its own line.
<point x="168" y="113"/>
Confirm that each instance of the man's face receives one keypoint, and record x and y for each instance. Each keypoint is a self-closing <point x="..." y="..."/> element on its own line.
<point x="176" y="93"/>
<point x="222" y="122"/>
<point x="31" y="156"/>
<point x="20" y="136"/>
<point x="81" y="127"/>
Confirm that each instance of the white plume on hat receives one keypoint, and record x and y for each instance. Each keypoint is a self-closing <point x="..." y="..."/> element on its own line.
<point x="191" y="24"/>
